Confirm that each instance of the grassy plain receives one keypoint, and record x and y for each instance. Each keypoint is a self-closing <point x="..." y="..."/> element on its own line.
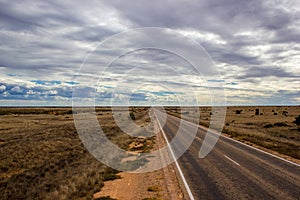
<point x="42" y="157"/>
<point x="270" y="127"/>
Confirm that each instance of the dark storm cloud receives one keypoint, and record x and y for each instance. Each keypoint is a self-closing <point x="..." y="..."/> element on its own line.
<point x="90" y="34"/>
<point x="15" y="24"/>
<point x="288" y="35"/>
<point x="158" y="62"/>
<point x="221" y="16"/>
<point x="46" y="35"/>
<point x="259" y="72"/>
<point x="182" y="14"/>
<point x="237" y="58"/>
<point x="33" y="15"/>
<point x="282" y="97"/>
<point x="225" y="18"/>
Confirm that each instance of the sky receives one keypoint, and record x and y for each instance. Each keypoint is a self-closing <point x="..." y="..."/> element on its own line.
<point x="57" y="52"/>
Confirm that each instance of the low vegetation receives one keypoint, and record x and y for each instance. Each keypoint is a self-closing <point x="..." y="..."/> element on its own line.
<point x="42" y="156"/>
<point x="272" y="127"/>
<point x="153" y="188"/>
<point x="297" y="120"/>
<point x="132" y="116"/>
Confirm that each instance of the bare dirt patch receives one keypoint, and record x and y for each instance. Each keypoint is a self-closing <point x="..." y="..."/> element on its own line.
<point x="159" y="184"/>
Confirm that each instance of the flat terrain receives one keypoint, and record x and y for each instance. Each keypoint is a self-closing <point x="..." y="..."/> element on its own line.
<point x="231" y="170"/>
<point x="269" y="127"/>
<point x="42" y="157"/>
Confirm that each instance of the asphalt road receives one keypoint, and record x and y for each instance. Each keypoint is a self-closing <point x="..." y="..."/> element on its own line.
<point x="233" y="170"/>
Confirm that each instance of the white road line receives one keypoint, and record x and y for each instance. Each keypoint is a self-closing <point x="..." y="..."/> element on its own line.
<point x="176" y="163"/>
<point x="232" y="160"/>
<point x="262" y="151"/>
<point x="275" y="156"/>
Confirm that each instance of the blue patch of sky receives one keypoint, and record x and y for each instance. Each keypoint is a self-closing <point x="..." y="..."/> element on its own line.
<point x="232" y="83"/>
<point x="41" y="82"/>
<point x="107" y="86"/>
<point x="216" y="81"/>
<point x="72" y="83"/>
<point x="163" y="93"/>
<point x="104" y="95"/>
<point x="12" y="75"/>
<point x="138" y="97"/>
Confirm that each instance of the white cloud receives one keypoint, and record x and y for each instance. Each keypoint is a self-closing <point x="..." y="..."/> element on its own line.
<point x="51" y="92"/>
<point x="31" y="92"/>
<point x="2" y="87"/>
<point x="6" y="94"/>
<point x="203" y="36"/>
<point x="16" y="89"/>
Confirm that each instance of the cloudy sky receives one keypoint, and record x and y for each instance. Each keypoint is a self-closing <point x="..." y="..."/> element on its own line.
<point x="50" y="48"/>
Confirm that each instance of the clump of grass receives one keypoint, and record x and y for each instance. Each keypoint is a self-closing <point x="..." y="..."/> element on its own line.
<point x="132" y="116"/>
<point x="280" y="124"/>
<point x="256" y="111"/>
<point x="135" y="164"/>
<point x="268" y="126"/>
<point x="153" y="188"/>
<point x="110" y="174"/>
<point x="297" y="120"/>
<point x="238" y="112"/>
<point x="285" y="113"/>
<point x="145" y="145"/>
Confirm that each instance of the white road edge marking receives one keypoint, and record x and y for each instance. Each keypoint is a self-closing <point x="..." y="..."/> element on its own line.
<point x="262" y="151"/>
<point x="176" y="163"/>
<point x="232" y="160"/>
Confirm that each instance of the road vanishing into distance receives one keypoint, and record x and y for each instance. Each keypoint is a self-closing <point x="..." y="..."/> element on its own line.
<point x="232" y="170"/>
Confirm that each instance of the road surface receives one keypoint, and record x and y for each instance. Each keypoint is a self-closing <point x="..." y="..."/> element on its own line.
<point x="233" y="170"/>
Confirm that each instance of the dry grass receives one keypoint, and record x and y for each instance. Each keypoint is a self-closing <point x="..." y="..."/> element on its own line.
<point x="271" y="127"/>
<point x="154" y="188"/>
<point x="42" y="156"/>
